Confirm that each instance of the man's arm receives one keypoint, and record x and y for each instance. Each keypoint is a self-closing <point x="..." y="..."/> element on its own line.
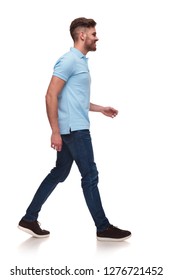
<point x="107" y="111"/>
<point x="55" y="87"/>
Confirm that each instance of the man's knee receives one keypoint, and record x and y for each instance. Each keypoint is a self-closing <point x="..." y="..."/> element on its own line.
<point x="91" y="177"/>
<point x="59" y="175"/>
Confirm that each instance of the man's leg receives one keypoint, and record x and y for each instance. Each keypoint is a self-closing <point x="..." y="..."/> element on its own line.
<point x="81" y="149"/>
<point x="58" y="174"/>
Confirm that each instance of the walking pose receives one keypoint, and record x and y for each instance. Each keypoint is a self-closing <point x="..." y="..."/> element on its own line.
<point x="68" y="104"/>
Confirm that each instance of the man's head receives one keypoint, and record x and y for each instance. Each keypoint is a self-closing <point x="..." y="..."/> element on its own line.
<point x="83" y="33"/>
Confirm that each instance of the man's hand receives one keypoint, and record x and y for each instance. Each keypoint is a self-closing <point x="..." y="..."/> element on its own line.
<point x="56" y="141"/>
<point x="109" y="112"/>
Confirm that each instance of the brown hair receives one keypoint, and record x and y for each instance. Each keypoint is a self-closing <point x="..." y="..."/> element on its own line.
<point x="80" y="22"/>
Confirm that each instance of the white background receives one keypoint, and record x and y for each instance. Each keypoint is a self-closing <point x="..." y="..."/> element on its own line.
<point x="132" y="71"/>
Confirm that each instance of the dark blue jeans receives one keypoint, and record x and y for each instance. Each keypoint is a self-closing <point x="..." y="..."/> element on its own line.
<point x="77" y="146"/>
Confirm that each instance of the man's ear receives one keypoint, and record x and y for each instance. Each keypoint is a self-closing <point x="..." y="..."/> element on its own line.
<point x="82" y="36"/>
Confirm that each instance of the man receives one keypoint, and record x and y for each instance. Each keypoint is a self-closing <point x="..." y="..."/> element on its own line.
<point x="68" y="104"/>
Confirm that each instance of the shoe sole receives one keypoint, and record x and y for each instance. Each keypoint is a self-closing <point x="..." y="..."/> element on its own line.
<point x="32" y="233"/>
<point x="112" y="239"/>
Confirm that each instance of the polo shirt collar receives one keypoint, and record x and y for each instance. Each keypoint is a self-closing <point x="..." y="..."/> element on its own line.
<point x="77" y="52"/>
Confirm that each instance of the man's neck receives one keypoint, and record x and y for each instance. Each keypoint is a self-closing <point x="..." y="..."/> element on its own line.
<point x="80" y="48"/>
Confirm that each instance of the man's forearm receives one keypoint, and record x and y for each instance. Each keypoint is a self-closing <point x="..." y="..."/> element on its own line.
<point x="52" y="112"/>
<point x="96" y="108"/>
<point x="107" y="111"/>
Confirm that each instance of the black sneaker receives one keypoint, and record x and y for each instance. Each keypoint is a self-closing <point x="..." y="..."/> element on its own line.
<point x="113" y="234"/>
<point x="33" y="228"/>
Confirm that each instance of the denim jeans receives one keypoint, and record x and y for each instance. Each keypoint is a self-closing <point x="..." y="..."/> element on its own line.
<point x="77" y="146"/>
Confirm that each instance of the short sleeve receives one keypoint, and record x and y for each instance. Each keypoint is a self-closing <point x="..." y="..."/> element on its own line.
<point x="64" y="67"/>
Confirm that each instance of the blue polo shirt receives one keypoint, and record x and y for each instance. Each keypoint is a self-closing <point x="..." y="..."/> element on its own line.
<point x="74" y="100"/>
